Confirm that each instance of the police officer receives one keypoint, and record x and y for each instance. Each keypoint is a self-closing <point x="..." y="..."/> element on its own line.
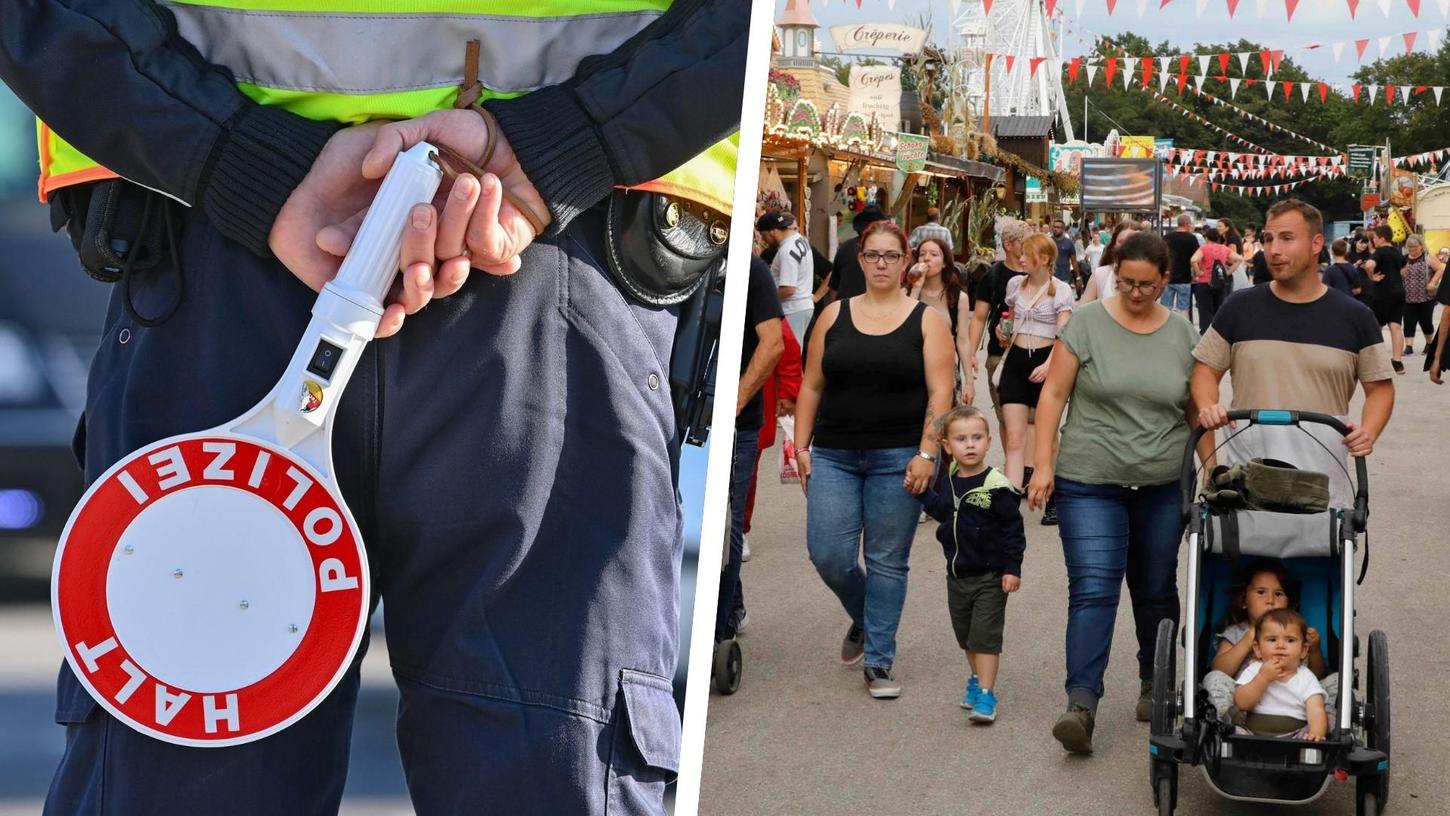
<point x="507" y="455"/>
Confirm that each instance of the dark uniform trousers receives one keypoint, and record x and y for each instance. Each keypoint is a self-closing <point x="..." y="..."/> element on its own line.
<point x="507" y="457"/>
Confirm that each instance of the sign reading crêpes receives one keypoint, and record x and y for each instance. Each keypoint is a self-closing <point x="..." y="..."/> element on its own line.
<point x="876" y="91"/>
<point x="890" y="36"/>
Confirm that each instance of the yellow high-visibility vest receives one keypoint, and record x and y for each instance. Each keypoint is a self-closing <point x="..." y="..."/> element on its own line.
<point x="353" y="61"/>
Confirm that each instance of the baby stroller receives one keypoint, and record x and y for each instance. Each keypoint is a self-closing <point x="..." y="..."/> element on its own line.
<point x="1318" y="551"/>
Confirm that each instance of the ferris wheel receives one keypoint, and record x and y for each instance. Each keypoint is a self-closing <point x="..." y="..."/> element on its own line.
<point x="1017" y="27"/>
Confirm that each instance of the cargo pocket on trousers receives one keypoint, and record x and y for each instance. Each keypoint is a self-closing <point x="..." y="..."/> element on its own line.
<point x="646" y="743"/>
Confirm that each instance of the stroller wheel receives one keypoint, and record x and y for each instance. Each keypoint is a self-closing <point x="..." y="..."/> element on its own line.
<point x="1165" y="795"/>
<point x="1165" y="686"/>
<point x="1374" y="791"/>
<point x="727" y="667"/>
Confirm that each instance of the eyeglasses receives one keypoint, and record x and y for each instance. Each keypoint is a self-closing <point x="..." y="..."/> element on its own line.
<point x="1146" y="287"/>
<point x="872" y="256"/>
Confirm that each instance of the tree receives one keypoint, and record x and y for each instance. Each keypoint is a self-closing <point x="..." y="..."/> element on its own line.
<point x="837" y="66"/>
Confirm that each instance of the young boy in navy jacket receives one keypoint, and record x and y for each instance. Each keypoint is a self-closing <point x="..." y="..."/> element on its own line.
<point x="982" y="536"/>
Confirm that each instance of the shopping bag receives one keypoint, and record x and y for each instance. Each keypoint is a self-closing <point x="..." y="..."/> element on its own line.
<point x="1241" y="278"/>
<point x="790" y="472"/>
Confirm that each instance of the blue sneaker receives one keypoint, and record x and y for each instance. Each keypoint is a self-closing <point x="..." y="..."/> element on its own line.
<point x="974" y="690"/>
<point x="985" y="710"/>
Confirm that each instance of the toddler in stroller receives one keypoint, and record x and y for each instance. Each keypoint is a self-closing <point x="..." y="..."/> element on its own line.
<point x="1266" y="587"/>
<point x="1281" y="694"/>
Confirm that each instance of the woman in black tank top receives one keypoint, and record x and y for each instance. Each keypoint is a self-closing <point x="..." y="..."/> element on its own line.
<point x="878" y="374"/>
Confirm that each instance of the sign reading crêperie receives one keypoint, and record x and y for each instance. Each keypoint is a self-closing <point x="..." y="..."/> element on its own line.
<point x="876" y="91"/>
<point x="889" y="36"/>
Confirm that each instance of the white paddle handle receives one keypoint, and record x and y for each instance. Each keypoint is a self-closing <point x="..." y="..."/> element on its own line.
<point x="371" y="264"/>
<point x="344" y="319"/>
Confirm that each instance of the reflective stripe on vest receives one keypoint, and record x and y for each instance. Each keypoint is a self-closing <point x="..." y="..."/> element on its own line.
<point x="313" y="58"/>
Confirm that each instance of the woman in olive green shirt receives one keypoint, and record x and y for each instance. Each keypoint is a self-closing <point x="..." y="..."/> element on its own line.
<point x="1124" y="362"/>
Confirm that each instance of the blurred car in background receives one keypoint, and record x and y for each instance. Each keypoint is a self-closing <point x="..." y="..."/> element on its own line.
<point x="50" y="321"/>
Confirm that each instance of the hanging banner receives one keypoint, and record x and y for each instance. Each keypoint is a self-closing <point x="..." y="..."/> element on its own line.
<point x="1137" y="147"/>
<point x="1361" y="161"/>
<point x="876" y="91"/>
<point x="888" y="36"/>
<point x="911" y="150"/>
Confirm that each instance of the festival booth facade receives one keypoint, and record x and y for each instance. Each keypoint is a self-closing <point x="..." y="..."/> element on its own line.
<point x="1025" y="150"/>
<point x="832" y="147"/>
<point x="825" y="168"/>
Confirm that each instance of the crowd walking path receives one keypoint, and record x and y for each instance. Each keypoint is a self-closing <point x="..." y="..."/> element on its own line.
<point x="802" y="737"/>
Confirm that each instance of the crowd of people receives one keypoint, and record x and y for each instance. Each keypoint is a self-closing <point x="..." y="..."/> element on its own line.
<point x="1097" y="378"/>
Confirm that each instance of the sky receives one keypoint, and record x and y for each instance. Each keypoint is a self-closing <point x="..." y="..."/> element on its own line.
<point x="1315" y="21"/>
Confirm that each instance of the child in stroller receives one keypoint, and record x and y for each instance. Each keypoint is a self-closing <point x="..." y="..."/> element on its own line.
<point x="1267" y="587"/>
<point x="1281" y="694"/>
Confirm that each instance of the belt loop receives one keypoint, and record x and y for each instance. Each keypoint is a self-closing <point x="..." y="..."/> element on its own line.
<point x="471" y="89"/>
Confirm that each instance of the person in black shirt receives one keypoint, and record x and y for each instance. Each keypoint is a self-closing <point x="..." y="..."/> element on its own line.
<point x="822" y="271"/>
<point x="1231" y="235"/>
<point x="1384" y="268"/>
<point x="1181" y="248"/>
<point x="878" y="375"/>
<point x="761" y="345"/>
<point x="1261" y="268"/>
<point x="1359" y="248"/>
<point x="822" y="292"/>
<point x="849" y="280"/>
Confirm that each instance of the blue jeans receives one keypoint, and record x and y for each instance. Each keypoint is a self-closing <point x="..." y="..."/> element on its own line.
<point x="857" y="505"/>
<point x="1177" y="296"/>
<point x="1110" y="532"/>
<point x="732" y="594"/>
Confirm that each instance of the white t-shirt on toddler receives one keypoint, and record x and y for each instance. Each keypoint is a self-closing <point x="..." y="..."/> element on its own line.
<point x="1286" y="698"/>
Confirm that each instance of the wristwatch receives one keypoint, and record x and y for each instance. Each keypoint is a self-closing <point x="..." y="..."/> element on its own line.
<point x="930" y="457"/>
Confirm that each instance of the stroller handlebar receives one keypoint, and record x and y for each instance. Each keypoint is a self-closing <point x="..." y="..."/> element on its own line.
<point x="1270" y="417"/>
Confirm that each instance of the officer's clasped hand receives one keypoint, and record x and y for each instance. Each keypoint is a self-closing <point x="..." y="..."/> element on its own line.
<point x="472" y="224"/>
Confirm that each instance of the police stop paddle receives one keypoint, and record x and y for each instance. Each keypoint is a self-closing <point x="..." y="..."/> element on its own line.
<point x="212" y="588"/>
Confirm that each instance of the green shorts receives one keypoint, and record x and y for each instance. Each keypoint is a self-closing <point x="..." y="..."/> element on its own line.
<point x="978" y="607"/>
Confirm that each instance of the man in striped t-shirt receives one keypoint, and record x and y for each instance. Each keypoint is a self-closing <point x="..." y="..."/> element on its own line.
<point x="1295" y="345"/>
<point x="931" y="229"/>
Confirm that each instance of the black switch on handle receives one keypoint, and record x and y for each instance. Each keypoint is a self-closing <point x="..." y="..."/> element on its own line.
<point x="324" y="359"/>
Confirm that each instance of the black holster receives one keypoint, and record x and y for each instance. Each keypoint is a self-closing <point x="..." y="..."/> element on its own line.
<point x="660" y="249"/>
<point x="112" y="222"/>
<point x="120" y="229"/>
